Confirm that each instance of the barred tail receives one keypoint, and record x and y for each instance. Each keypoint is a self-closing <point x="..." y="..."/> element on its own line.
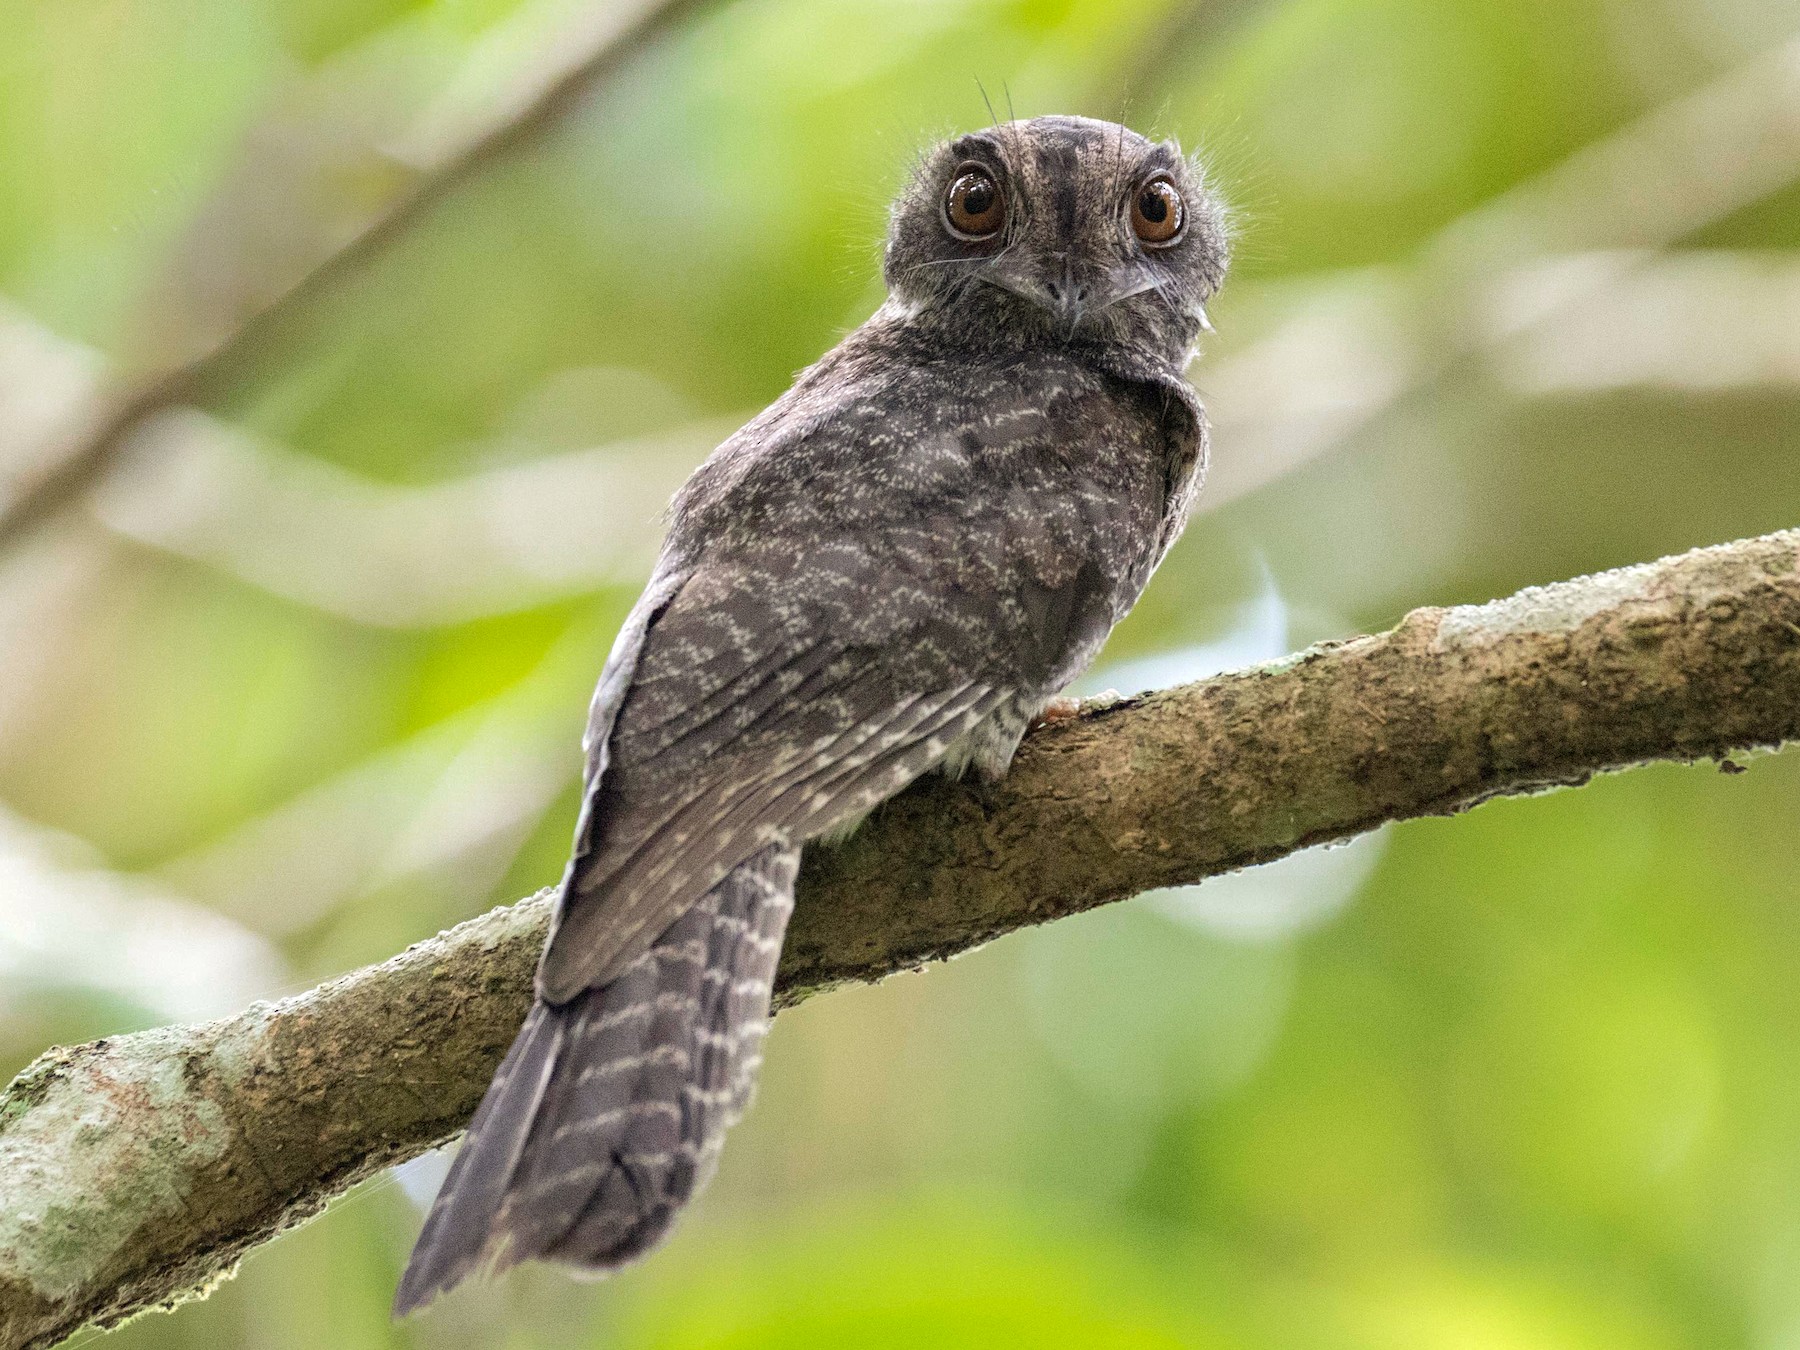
<point x="609" y="1112"/>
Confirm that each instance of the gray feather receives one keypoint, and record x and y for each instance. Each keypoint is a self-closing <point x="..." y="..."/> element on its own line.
<point x="890" y="569"/>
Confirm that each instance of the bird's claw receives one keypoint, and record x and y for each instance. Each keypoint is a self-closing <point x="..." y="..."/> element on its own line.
<point x="1062" y="708"/>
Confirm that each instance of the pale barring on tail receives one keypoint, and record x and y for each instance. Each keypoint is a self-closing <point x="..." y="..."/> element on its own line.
<point x="890" y="570"/>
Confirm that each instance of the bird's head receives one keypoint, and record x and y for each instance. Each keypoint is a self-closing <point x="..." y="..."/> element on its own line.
<point x="1059" y="228"/>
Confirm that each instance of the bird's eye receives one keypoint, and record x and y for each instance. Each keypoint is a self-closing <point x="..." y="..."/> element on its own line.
<point x="974" y="207"/>
<point x="1157" y="212"/>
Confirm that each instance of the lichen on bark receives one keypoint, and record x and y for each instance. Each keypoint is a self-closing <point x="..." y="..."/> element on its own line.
<point x="135" y="1171"/>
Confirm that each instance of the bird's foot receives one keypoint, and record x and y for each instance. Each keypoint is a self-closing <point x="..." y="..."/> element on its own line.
<point x="1062" y="708"/>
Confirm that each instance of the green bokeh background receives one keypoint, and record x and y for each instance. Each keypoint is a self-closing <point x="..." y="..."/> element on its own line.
<point x="1521" y="1080"/>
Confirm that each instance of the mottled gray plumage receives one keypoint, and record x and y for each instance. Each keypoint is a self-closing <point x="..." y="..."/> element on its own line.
<point x="892" y="569"/>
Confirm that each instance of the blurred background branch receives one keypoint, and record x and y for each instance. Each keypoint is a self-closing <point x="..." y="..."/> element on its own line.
<point x="1513" y="286"/>
<point x="257" y="256"/>
<point x="138" y="1170"/>
<point x="300" y="677"/>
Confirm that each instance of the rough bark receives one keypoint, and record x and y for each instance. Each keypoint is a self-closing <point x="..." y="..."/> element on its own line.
<point x="135" y="1171"/>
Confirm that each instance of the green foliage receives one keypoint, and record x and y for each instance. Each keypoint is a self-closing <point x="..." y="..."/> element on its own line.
<point x="1520" y="1079"/>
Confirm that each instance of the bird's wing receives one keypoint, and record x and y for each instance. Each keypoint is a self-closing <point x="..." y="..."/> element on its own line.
<point x="760" y="704"/>
<point x="845" y="598"/>
<point x="615" y="682"/>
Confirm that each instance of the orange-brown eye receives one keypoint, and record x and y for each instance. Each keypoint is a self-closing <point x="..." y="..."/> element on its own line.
<point x="1157" y="212"/>
<point x="973" y="207"/>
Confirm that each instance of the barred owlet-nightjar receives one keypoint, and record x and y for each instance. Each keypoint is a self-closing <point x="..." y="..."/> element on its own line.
<point x="892" y="569"/>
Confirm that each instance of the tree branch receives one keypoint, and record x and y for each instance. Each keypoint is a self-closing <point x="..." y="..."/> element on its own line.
<point x="136" y="1170"/>
<point x="596" y="45"/>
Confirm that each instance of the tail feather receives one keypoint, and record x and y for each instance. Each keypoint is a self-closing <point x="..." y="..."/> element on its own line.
<point x="609" y="1112"/>
<point x="608" y="1170"/>
<point x="456" y="1238"/>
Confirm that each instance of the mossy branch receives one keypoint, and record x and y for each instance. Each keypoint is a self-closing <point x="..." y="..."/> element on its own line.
<point x="135" y="1171"/>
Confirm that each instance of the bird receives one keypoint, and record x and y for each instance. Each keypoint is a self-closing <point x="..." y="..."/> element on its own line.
<point x="893" y="569"/>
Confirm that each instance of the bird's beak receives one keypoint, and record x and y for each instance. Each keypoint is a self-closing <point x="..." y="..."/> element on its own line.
<point x="1068" y="298"/>
<point x="1073" y="294"/>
